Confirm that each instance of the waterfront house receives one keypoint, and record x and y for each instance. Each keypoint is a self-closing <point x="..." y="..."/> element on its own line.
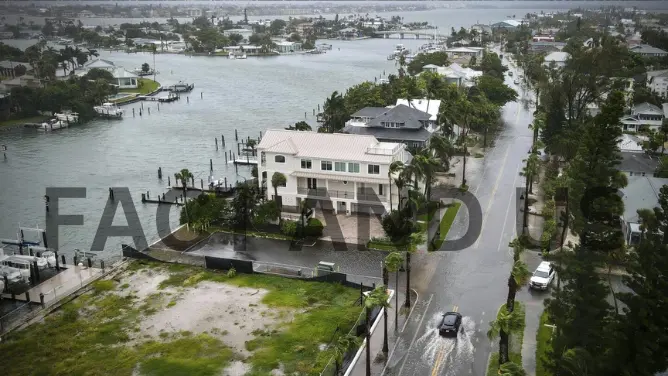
<point x="657" y="81"/>
<point x="642" y="192"/>
<point x="401" y="123"/>
<point x="345" y="173"/>
<point x="506" y="25"/>
<point x="648" y="51"/>
<point x="558" y="59"/>
<point x="285" y="47"/>
<point x="643" y="116"/>
<point x="245" y="33"/>
<point x="466" y="51"/>
<point x="124" y="79"/>
<point x="348" y="33"/>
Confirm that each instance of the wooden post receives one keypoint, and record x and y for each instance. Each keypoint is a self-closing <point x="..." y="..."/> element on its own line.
<point x="34" y="264"/>
<point x="160" y="173"/>
<point x="223" y="139"/>
<point x="225" y="158"/>
<point x="188" y="99"/>
<point x="143" y="197"/>
<point x="41" y="299"/>
<point x="90" y="263"/>
<point x="169" y="183"/>
<point x="201" y="184"/>
<point x="63" y="259"/>
<point x="57" y="261"/>
<point x="211" y="163"/>
<point x="236" y="135"/>
<point x="133" y="112"/>
<point x="216" y="144"/>
<point x="149" y="110"/>
<point x="201" y="95"/>
<point x="192" y="181"/>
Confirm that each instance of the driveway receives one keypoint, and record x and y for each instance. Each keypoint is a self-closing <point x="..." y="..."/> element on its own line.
<point x="357" y="228"/>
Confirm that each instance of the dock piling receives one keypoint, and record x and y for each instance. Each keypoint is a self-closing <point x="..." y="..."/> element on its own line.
<point x="225" y="158"/>
<point x="41" y="299"/>
<point x="314" y="112"/>
<point x="318" y="107"/>
<point x="133" y="112"/>
<point x="201" y="184"/>
<point x="76" y="261"/>
<point x="192" y="180"/>
<point x="143" y="197"/>
<point x="222" y="137"/>
<point x="90" y="263"/>
<point x="304" y="115"/>
<point x="111" y="193"/>
<point x="188" y="99"/>
<point x="169" y="183"/>
<point x="201" y="95"/>
<point x="27" y="296"/>
<point x="236" y="135"/>
<point x="225" y="183"/>
<point x="57" y="263"/>
<point x="102" y="263"/>
<point x="140" y="112"/>
<point x="160" y="173"/>
<point x="34" y="264"/>
<point x="210" y="164"/>
<point x="30" y="251"/>
<point x="149" y="110"/>
<point x="63" y="258"/>
<point x="216" y="144"/>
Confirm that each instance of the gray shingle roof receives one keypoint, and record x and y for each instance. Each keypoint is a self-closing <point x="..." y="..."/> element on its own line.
<point x="401" y="114"/>
<point x="391" y="134"/>
<point x="647" y="49"/>
<point x="371" y="112"/>
<point x="638" y="163"/>
<point x="641" y="193"/>
<point x="644" y="108"/>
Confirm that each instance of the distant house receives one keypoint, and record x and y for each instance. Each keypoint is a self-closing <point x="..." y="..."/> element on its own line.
<point x="647" y="50"/>
<point x="642" y="192"/>
<point x="8" y="68"/>
<point x="399" y="123"/>
<point x="21" y="81"/>
<point x="482" y="28"/>
<point x="454" y="74"/>
<point x="643" y="116"/>
<point x="285" y="47"/>
<point x="557" y="58"/>
<point x="86" y="14"/>
<point x="348" y="33"/>
<point x="543" y="38"/>
<point x="468" y="51"/>
<point x="243" y="32"/>
<point x="657" y="81"/>
<point x="545" y="46"/>
<point x="507" y="25"/>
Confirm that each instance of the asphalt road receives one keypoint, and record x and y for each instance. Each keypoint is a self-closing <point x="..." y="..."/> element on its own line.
<point x="471" y="281"/>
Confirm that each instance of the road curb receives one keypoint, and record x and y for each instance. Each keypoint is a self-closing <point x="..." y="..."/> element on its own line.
<point x="396" y="342"/>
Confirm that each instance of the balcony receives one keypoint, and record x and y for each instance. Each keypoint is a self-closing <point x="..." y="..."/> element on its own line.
<point x="350" y="195"/>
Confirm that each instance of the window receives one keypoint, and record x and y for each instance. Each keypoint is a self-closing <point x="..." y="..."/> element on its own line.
<point x="306" y="163"/>
<point x="326" y="165"/>
<point x="374" y="169"/>
<point x="279" y="159"/>
<point x="354" y="167"/>
<point x="380" y="189"/>
<point x="340" y="166"/>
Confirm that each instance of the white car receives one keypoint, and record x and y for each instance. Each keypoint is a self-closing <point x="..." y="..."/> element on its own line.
<point x="543" y="276"/>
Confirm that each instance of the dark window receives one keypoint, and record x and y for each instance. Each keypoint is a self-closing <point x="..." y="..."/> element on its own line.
<point x="380" y="189"/>
<point x="279" y="159"/>
<point x="326" y="165"/>
<point x="306" y="163"/>
<point x="374" y="169"/>
<point x="450" y="320"/>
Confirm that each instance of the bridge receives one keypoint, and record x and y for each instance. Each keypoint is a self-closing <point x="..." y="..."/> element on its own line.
<point x="425" y="33"/>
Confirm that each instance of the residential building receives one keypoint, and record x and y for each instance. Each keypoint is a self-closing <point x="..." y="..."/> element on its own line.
<point x="558" y="58"/>
<point x="305" y="28"/>
<point x="647" y="50"/>
<point x="124" y="79"/>
<point x="285" y="47"/>
<point x="643" y="116"/>
<point x="657" y="81"/>
<point x="348" y="33"/>
<point x="455" y="74"/>
<point x="6" y="34"/>
<point x="345" y="173"/>
<point x="8" y="68"/>
<point x="246" y="33"/>
<point x="400" y="123"/>
<point x="21" y="81"/>
<point x="642" y="192"/>
<point x="543" y="38"/>
<point x="545" y="46"/>
<point x="638" y="164"/>
<point x="482" y="29"/>
<point x="467" y="51"/>
<point x="507" y="25"/>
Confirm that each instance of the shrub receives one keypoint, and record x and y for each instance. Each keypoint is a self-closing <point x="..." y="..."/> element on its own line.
<point x="314" y="228"/>
<point x="289" y="228"/>
<point x="548" y="209"/>
<point x="231" y="273"/>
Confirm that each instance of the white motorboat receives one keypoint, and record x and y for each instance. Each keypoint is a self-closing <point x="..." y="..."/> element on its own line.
<point x="53" y="124"/>
<point x="42" y="262"/>
<point x="12" y="274"/>
<point x="109" y="110"/>
<point x="11" y="265"/>
<point x="67" y="116"/>
<point x="50" y="258"/>
<point x="242" y="56"/>
<point x="231" y="55"/>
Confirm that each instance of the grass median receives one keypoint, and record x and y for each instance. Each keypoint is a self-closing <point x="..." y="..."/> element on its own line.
<point x="146" y="86"/>
<point x="445" y="225"/>
<point x="155" y="319"/>
<point x="543" y="345"/>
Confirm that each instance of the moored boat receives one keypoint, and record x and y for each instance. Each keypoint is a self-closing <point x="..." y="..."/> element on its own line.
<point x="109" y="110"/>
<point x="52" y="124"/>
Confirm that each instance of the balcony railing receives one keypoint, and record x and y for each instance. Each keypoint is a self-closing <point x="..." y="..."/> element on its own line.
<point x="323" y="192"/>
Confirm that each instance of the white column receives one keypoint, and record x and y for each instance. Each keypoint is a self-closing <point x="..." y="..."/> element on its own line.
<point x="327" y="185"/>
<point x="387" y="192"/>
<point x="355" y="190"/>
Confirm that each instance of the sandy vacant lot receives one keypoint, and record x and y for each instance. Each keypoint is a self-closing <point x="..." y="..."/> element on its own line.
<point x="155" y="319"/>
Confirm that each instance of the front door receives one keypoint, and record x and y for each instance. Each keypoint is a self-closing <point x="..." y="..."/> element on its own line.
<point x="341" y="207"/>
<point x="312" y="183"/>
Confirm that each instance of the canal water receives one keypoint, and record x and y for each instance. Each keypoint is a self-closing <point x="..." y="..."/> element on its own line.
<point x="249" y="96"/>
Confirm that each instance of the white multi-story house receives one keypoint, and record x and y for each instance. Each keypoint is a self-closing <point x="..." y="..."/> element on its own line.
<point x="345" y="173"/>
<point x="643" y="116"/>
<point x="657" y="81"/>
<point x="455" y="74"/>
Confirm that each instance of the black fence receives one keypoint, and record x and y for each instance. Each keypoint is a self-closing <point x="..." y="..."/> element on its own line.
<point x="218" y="263"/>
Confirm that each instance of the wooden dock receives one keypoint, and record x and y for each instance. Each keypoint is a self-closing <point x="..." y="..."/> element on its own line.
<point x="248" y="161"/>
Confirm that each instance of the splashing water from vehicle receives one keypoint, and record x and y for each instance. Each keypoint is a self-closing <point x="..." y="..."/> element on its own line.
<point x="459" y="350"/>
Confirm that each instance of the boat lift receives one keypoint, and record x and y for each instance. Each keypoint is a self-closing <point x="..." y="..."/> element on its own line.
<point x="20" y="239"/>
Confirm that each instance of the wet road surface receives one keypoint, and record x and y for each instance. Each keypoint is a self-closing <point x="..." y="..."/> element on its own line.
<point x="472" y="280"/>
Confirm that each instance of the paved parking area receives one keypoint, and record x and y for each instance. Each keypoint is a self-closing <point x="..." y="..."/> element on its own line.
<point x="356" y="228"/>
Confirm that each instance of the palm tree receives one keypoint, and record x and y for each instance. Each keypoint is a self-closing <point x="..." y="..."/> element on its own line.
<point x="531" y="169"/>
<point x="500" y="328"/>
<point x="393" y="263"/>
<point x="343" y="344"/>
<point x="334" y="113"/>
<point x="277" y="180"/>
<point x="511" y="369"/>
<point x="184" y="175"/>
<point x="379" y="298"/>
<point x="442" y="148"/>
<point x="664" y="132"/>
<point x="519" y="275"/>
<point x="400" y="182"/>
<point x="395" y="168"/>
<point x="63" y="65"/>
<point x="427" y="166"/>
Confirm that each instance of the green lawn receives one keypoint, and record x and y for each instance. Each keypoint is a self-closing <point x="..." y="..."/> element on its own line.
<point x="543" y="346"/>
<point x="91" y="335"/>
<point x="146" y="86"/>
<point x="446" y="223"/>
<point x="32" y="119"/>
<point x="516" y="339"/>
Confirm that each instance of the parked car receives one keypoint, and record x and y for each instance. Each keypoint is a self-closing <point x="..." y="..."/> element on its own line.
<point x="543" y="276"/>
<point x="450" y="324"/>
